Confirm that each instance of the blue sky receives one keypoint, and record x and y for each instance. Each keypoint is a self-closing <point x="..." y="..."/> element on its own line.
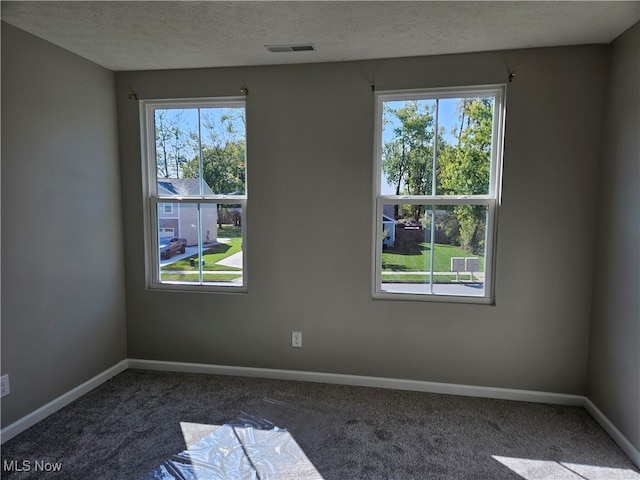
<point x="447" y="119"/>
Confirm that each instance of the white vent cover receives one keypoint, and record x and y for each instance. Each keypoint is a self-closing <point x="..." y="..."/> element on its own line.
<point x="303" y="47"/>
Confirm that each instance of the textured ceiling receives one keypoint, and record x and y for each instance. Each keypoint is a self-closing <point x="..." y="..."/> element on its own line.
<point x="133" y="35"/>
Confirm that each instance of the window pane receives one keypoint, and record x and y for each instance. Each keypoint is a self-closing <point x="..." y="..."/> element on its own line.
<point x="177" y="242"/>
<point x="176" y="145"/>
<point x="222" y="253"/>
<point x="200" y="151"/>
<point x="407" y="147"/>
<point x="465" y="135"/>
<point x="201" y="244"/>
<point x="430" y="249"/>
<point x="460" y="159"/>
<point x="223" y="150"/>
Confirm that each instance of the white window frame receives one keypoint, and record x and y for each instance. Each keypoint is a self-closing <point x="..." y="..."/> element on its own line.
<point x="152" y="199"/>
<point x="492" y="200"/>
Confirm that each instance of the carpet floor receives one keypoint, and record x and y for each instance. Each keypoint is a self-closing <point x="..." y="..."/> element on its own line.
<point x="134" y="423"/>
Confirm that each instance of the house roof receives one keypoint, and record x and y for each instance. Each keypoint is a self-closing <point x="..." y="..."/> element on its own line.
<point x="183" y="187"/>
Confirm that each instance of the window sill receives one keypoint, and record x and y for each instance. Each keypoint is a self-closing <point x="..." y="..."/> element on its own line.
<point x="397" y="296"/>
<point x="183" y="288"/>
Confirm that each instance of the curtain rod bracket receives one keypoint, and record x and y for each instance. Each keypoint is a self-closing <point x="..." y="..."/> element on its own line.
<point x="133" y="96"/>
<point x="244" y="91"/>
<point x="512" y="75"/>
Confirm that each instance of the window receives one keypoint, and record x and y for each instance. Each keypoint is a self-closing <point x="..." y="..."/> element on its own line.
<point x="438" y="163"/>
<point x="194" y="157"/>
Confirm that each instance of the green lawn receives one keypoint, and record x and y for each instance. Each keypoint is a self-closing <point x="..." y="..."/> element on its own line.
<point x="416" y="257"/>
<point x="413" y="257"/>
<point x="417" y="278"/>
<point x="211" y="255"/>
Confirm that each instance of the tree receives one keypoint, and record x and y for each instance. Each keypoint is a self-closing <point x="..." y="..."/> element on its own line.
<point x="222" y="167"/>
<point x="407" y="157"/>
<point x="223" y="149"/>
<point x="464" y="169"/>
<point x="223" y="152"/>
<point x="171" y="143"/>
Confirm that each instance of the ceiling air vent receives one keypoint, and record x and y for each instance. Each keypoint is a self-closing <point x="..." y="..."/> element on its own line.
<point x="305" y="47"/>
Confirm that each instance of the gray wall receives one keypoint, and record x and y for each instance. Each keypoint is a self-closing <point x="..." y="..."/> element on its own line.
<point x="310" y="136"/>
<point x="310" y="147"/>
<point x="63" y="317"/>
<point x="614" y="362"/>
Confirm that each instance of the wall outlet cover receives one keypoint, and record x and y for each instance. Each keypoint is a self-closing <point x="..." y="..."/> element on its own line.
<point x="4" y="386"/>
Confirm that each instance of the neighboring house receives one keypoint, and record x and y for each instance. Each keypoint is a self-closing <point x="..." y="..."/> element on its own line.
<point x="398" y="231"/>
<point x="181" y="220"/>
<point x="388" y="226"/>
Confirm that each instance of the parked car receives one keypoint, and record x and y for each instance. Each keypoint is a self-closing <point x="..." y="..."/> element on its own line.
<point x="170" y="245"/>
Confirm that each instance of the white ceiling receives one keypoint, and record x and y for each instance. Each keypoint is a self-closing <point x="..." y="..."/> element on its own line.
<point x="132" y="35"/>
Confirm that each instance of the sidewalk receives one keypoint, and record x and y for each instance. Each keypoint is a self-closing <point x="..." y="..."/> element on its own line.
<point x="234" y="260"/>
<point x="477" y="276"/>
<point x="195" y="272"/>
<point x="466" y="289"/>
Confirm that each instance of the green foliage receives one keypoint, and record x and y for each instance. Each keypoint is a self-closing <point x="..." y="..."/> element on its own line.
<point x="407" y="159"/>
<point x="464" y="169"/>
<point x="229" y="231"/>
<point x="471" y="219"/>
<point x="223" y="167"/>
<point x="219" y="141"/>
<point x="462" y="166"/>
<point x="223" y="151"/>
<point x="450" y="225"/>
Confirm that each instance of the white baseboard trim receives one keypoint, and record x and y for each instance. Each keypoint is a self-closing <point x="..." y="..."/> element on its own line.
<point x="399" y="384"/>
<point x="363" y="381"/>
<point x="340" y="379"/>
<point x="63" y="400"/>
<point x="632" y="452"/>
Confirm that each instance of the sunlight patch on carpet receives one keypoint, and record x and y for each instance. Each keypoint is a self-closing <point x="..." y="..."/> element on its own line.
<point x="530" y="469"/>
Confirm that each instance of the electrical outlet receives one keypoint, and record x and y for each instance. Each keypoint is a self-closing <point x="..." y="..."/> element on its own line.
<point x="4" y="385"/>
<point x="296" y="339"/>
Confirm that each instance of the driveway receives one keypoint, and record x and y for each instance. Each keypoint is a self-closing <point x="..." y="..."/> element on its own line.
<point x="188" y="252"/>
<point x="234" y="260"/>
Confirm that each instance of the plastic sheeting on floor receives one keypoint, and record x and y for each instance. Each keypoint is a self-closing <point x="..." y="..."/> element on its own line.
<point x="245" y="449"/>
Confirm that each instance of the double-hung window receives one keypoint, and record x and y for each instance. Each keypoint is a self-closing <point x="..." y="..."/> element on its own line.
<point x="194" y="156"/>
<point x="438" y="159"/>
